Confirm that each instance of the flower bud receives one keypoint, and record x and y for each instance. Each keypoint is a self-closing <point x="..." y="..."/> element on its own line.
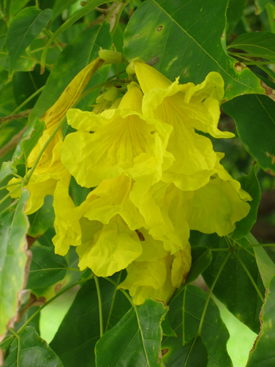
<point x="111" y="57"/>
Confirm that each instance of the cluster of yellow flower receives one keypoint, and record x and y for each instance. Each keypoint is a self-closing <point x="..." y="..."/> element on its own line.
<point x="155" y="179"/>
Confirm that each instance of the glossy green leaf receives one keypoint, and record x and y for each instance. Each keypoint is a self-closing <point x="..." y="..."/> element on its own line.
<point x="183" y="38"/>
<point x="24" y="28"/>
<point x="75" y="56"/>
<point x="47" y="268"/>
<point x="185" y="312"/>
<point x="265" y="264"/>
<point x="41" y="220"/>
<point x="28" y="142"/>
<point x="13" y="260"/>
<point x="80" y="329"/>
<point x="251" y="185"/>
<point x="136" y="338"/>
<point x="257" y="44"/>
<point x="255" y="121"/>
<point x="263" y="351"/>
<point x="33" y="351"/>
<point x="239" y="285"/>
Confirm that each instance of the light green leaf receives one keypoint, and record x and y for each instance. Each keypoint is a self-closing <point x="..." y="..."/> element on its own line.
<point x="24" y="28"/>
<point x="265" y="264"/>
<point x="185" y="313"/>
<point x="47" y="268"/>
<point x="263" y="351"/>
<point x="255" y="120"/>
<point x="261" y="4"/>
<point x="256" y="44"/>
<point x="183" y="38"/>
<point x="13" y="260"/>
<point x="33" y="351"/>
<point x="135" y="340"/>
<point x="6" y="170"/>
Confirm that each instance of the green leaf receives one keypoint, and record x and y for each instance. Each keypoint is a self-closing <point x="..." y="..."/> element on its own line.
<point x="61" y="5"/>
<point x="185" y="312"/>
<point x="23" y="63"/>
<point x="261" y="4"/>
<point x="27" y="83"/>
<point x="263" y="351"/>
<point x="251" y="185"/>
<point x="194" y="353"/>
<point x="136" y="338"/>
<point x="234" y="13"/>
<point x="33" y="351"/>
<point x="265" y="264"/>
<point x="79" y="331"/>
<point x="47" y="268"/>
<point x="256" y="44"/>
<point x="43" y="219"/>
<point x="6" y="170"/>
<point x="24" y="28"/>
<point x="201" y="259"/>
<point x="28" y="142"/>
<point x="75" y="56"/>
<point x="183" y="38"/>
<point x="255" y="120"/>
<point x="13" y="260"/>
<point x="17" y="5"/>
<point x="239" y="285"/>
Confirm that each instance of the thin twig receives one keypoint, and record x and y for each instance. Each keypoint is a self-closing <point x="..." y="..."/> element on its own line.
<point x="12" y="143"/>
<point x="17" y="116"/>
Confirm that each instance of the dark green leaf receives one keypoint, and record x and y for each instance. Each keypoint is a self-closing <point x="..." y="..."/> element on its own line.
<point x="194" y="353"/>
<point x="201" y="259"/>
<point x="258" y="44"/>
<point x="234" y="13"/>
<point x="28" y="142"/>
<point x="239" y="285"/>
<point x="27" y="83"/>
<point x="185" y="312"/>
<point x="183" y="38"/>
<point x="79" y="331"/>
<point x="47" y="268"/>
<point x="136" y="338"/>
<point x="250" y="184"/>
<point x="17" y="5"/>
<point x="13" y="259"/>
<point x="263" y="351"/>
<point x="75" y="56"/>
<point x="23" y="63"/>
<point x="255" y="120"/>
<point x="33" y="351"/>
<point x="41" y="220"/>
<point x="24" y="28"/>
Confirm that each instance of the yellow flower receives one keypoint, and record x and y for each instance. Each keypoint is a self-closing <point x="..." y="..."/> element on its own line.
<point x="186" y="107"/>
<point x="124" y="141"/>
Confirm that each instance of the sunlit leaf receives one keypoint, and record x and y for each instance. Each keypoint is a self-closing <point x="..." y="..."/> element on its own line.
<point x="183" y="38"/>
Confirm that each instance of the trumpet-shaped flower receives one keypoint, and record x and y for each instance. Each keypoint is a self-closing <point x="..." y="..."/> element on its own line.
<point x="124" y="141"/>
<point x="186" y="107"/>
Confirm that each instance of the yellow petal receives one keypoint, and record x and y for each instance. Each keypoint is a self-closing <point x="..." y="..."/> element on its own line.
<point x="67" y="227"/>
<point x="113" y="249"/>
<point x="181" y="266"/>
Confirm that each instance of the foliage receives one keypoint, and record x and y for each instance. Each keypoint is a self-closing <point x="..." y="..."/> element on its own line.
<point x="152" y="313"/>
